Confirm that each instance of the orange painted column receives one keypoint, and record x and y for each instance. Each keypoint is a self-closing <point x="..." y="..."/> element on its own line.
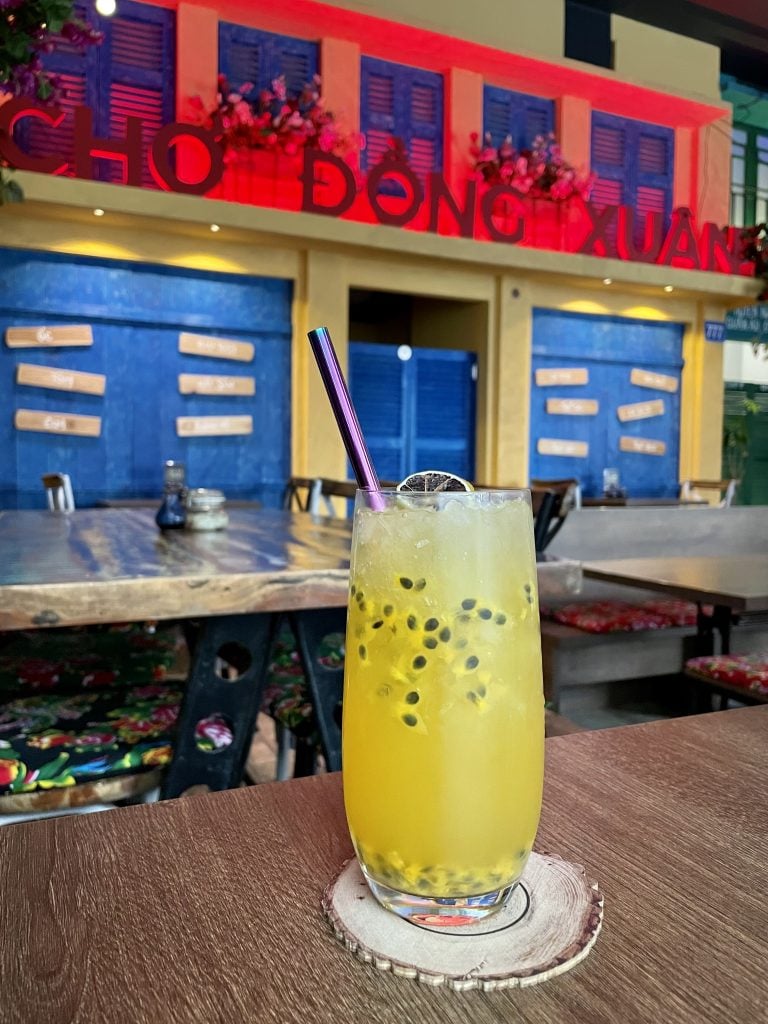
<point x="340" y="82"/>
<point x="573" y="128"/>
<point x="197" y="68"/>
<point x="463" y="116"/>
<point x="712" y="157"/>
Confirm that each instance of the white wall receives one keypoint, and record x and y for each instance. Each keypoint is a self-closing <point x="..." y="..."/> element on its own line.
<point x="741" y="365"/>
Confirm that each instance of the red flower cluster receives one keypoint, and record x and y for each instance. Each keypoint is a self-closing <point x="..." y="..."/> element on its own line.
<point x="273" y="121"/>
<point x="541" y="172"/>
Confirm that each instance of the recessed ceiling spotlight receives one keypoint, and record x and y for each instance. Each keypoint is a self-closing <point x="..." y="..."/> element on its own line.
<point x="215" y="228"/>
<point x="106" y="7"/>
<point x="668" y="288"/>
<point x="607" y="280"/>
<point x="98" y="212"/>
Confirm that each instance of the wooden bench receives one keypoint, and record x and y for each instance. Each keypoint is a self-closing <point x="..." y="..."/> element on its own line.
<point x="573" y="657"/>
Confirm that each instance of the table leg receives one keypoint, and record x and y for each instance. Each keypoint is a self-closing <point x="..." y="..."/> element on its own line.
<point x="707" y="626"/>
<point x="242" y="643"/>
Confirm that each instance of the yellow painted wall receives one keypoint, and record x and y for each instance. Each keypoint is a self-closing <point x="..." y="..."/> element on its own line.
<point x="522" y="26"/>
<point x="653" y="56"/>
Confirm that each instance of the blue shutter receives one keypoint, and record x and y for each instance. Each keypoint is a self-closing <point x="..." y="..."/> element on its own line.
<point x="516" y="114"/>
<point x="417" y="413"/>
<point x="377" y="114"/>
<point x="424" y="121"/>
<point x="405" y="102"/>
<point x="635" y="163"/>
<point x="377" y="386"/>
<point x="249" y="55"/>
<point x="77" y="73"/>
<point x="444" y="413"/>
<point x="137" y="72"/>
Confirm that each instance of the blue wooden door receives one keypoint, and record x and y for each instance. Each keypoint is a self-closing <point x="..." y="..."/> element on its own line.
<point x="136" y="313"/>
<point x="416" y="412"/>
<point x="608" y="349"/>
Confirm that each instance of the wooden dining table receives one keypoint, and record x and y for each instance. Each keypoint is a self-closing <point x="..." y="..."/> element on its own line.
<point x="99" y="566"/>
<point x="208" y="908"/>
<point x="737" y="584"/>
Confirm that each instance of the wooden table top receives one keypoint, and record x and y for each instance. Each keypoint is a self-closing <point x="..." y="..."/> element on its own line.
<point x="114" y="565"/>
<point x="739" y="582"/>
<point x="208" y="908"/>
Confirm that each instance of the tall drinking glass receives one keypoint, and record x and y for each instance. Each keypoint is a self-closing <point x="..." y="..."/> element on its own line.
<point x="443" y="731"/>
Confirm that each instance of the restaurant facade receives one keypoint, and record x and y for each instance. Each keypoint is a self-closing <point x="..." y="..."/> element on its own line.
<point x="156" y="290"/>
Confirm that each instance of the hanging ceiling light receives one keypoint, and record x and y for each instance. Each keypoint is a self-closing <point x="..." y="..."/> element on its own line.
<point x="106" y="7"/>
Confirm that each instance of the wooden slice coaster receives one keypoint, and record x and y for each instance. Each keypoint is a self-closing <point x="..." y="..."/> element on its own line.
<point x="549" y="924"/>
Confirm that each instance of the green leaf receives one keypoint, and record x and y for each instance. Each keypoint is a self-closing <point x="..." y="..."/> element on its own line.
<point x="52" y="768"/>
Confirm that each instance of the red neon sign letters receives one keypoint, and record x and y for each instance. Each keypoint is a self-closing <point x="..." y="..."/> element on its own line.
<point x="330" y="187"/>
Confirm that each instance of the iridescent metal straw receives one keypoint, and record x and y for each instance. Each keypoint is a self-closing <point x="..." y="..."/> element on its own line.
<point x="345" y="414"/>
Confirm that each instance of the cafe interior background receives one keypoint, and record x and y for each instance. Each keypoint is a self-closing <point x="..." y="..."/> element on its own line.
<point x="500" y="334"/>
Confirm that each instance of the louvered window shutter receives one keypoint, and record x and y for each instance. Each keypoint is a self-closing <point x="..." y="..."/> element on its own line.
<point x="654" y="168"/>
<point x="76" y="72"/>
<point x="424" y="136"/>
<point x="137" y="72"/>
<point x="634" y="162"/>
<point x="406" y="103"/>
<point x="610" y="158"/>
<point x="377" y="385"/>
<point x="516" y="114"/>
<point x="377" y="114"/>
<point x="249" y="55"/>
<point x="444" y="434"/>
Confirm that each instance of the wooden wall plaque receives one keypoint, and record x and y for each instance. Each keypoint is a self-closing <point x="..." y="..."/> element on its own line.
<point x="49" y="337"/>
<point x="213" y="384"/>
<point x="57" y="423"/>
<point x="215" y="348"/>
<point x="657" y="381"/>
<point x="60" y="380"/>
<point x="565" y="375"/>
<point x="573" y="406"/>
<point x="213" y="426"/>
<point x="641" y="410"/>
<point x="642" y="446"/>
<point x="556" y="446"/>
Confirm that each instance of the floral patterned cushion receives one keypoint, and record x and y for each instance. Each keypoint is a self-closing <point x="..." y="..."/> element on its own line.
<point x="748" y="671"/>
<point x="70" y="660"/>
<point x="286" y="695"/>
<point x="621" y="616"/>
<point x="55" y="740"/>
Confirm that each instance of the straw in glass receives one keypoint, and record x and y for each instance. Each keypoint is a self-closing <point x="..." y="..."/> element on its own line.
<point x="346" y="417"/>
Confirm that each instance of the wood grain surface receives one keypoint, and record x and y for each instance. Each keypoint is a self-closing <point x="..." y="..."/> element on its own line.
<point x="114" y="565"/>
<point x="208" y="909"/>
<point x="740" y="582"/>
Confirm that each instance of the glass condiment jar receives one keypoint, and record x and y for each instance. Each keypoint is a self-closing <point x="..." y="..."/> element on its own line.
<point x="172" y="514"/>
<point x="205" y="509"/>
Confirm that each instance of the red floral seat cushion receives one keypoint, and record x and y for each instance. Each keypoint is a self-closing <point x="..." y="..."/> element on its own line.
<point x="54" y="740"/>
<point x="71" y="660"/>
<point x="747" y="671"/>
<point x="286" y="695"/>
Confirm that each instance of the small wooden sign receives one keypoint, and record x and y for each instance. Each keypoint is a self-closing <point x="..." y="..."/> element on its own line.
<point x="211" y="384"/>
<point x="657" y="381"/>
<point x="642" y="446"/>
<point x="555" y="446"/>
<point x="566" y="375"/>
<point x="572" y="406"/>
<point x="641" y="410"/>
<point x="79" y="336"/>
<point x="210" y="426"/>
<point x="60" y="380"/>
<point x="57" y="423"/>
<point x="215" y="348"/>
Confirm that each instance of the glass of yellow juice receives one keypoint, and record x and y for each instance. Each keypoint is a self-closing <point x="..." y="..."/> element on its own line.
<point x="443" y="713"/>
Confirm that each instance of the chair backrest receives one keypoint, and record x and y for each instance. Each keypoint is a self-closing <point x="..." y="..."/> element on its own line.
<point x="689" y="490"/>
<point x="323" y="490"/>
<point x="297" y="493"/>
<point x="58" y="490"/>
